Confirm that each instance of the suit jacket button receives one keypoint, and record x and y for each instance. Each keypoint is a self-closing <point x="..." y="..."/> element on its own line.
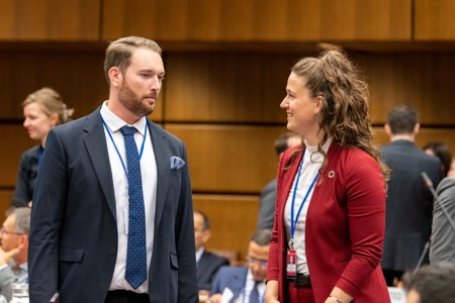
<point x="112" y="252"/>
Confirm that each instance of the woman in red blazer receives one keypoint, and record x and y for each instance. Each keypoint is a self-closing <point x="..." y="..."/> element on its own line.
<point x="330" y="210"/>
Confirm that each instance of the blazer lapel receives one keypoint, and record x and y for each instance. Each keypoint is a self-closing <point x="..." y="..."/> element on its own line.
<point x="238" y="283"/>
<point x="95" y="141"/>
<point x="162" y="156"/>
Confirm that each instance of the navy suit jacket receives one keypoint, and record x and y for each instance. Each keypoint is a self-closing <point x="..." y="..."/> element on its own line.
<point x="207" y="267"/>
<point x="233" y="278"/>
<point x="73" y="235"/>
<point x="409" y="204"/>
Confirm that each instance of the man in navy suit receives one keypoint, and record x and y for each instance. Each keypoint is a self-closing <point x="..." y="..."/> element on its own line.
<point x="207" y="263"/>
<point x="87" y="210"/>
<point x="409" y="202"/>
<point x="245" y="284"/>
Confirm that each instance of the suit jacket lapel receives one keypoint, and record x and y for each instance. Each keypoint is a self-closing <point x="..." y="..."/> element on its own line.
<point x="95" y="141"/>
<point x="238" y="283"/>
<point x="162" y="156"/>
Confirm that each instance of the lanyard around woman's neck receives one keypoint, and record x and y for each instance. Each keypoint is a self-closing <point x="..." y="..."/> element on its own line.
<point x="294" y="219"/>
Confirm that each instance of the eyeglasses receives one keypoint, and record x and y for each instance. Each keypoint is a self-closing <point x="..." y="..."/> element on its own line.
<point x="7" y="232"/>
<point x="252" y="260"/>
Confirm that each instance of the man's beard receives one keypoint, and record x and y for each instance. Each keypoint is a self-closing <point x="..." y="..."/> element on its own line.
<point x="133" y="102"/>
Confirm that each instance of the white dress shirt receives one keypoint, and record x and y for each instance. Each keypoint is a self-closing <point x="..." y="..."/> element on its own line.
<point x="312" y="161"/>
<point x="120" y="182"/>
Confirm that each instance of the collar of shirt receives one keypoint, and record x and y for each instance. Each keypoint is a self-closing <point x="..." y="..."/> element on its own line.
<point x="249" y="285"/>
<point x="114" y="122"/>
<point x="199" y="254"/>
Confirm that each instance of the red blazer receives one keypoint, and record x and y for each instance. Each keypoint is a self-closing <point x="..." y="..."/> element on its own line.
<point x="344" y="227"/>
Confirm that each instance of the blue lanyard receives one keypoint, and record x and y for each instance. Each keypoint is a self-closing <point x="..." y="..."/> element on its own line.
<point x="115" y="145"/>
<point x="296" y="218"/>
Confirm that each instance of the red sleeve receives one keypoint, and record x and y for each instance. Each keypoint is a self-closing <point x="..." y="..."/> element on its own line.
<point x="274" y="253"/>
<point x="365" y="197"/>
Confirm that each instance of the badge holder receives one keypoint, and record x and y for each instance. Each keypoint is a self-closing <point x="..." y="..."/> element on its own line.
<point x="291" y="263"/>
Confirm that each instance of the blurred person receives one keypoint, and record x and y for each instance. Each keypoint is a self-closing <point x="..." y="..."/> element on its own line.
<point x="43" y="110"/>
<point x="451" y="171"/>
<point x="112" y="217"/>
<point x="207" y="263"/>
<point x="431" y="284"/>
<point x="14" y="238"/>
<point x="268" y="193"/>
<point x="442" y="247"/>
<point x="329" y="227"/>
<point x="244" y="284"/>
<point x="442" y="152"/>
<point x="409" y="201"/>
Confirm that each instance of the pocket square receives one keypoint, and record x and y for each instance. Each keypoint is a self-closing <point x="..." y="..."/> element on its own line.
<point x="177" y="162"/>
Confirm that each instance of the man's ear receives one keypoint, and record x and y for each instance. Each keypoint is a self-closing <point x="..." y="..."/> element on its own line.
<point x="387" y="129"/>
<point x="206" y="235"/>
<point x="416" y="128"/>
<point x="115" y="76"/>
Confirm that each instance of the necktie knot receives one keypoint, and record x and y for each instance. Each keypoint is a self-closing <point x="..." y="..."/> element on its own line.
<point x="128" y="130"/>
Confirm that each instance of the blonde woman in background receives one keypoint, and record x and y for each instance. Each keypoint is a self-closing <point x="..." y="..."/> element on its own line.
<point x="43" y="110"/>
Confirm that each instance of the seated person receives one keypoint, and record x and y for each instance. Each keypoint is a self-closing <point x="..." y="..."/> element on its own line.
<point x="244" y="284"/>
<point x="14" y="250"/>
<point x="431" y="284"/>
<point x="207" y="262"/>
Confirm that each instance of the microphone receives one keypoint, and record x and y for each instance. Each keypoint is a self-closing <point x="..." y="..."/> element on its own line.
<point x="429" y="185"/>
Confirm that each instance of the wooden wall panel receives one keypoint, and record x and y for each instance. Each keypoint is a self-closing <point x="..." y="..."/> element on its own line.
<point x="6" y="197"/>
<point x="258" y="20"/>
<point x="249" y="87"/>
<point x="77" y="75"/>
<point x="50" y="20"/>
<point x="233" y="220"/>
<point x="14" y="142"/>
<point x="226" y="87"/>
<point x="434" y="20"/>
<point x="426" y="135"/>
<point x="229" y="158"/>
<point x="421" y="80"/>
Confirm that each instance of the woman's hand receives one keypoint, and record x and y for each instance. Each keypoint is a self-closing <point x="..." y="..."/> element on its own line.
<point x="271" y="292"/>
<point x="338" y="296"/>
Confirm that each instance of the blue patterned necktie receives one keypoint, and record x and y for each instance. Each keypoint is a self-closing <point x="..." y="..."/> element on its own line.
<point x="136" y="258"/>
<point x="254" y="295"/>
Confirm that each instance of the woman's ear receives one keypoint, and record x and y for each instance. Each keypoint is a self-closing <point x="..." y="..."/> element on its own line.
<point x="318" y="104"/>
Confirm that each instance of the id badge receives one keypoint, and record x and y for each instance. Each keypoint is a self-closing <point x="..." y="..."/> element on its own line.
<point x="291" y="266"/>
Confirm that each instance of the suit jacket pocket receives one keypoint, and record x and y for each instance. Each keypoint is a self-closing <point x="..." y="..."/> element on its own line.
<point x="174" y="261"/>
<point x="71" y="254"/>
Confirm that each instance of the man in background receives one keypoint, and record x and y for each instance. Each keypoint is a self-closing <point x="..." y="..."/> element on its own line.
<point x="409" y="201"/>
<point x="245" y="284"/>
<point x="431" y="284"/>
<point x="207" y="263"/>
<point x="268" y="193"/>
<point x="442" y="248"/>
<point x="14" y="249"/>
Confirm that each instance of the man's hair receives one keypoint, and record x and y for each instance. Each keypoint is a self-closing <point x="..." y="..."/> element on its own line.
<point x="281" y="143"/>
<point x="205" y="219"/>
<point x="262" y="237"/>
<point x="119" y="52"/>
<point x="22" y="215"/>
<point x="434" y="283"/>
<point x="441" y="151"/>
<point x="402" y="120"/>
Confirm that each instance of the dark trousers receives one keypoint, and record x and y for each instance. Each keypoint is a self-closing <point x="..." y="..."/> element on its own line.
<point x="300" y="294"/>
<point x="123" y="296"/>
